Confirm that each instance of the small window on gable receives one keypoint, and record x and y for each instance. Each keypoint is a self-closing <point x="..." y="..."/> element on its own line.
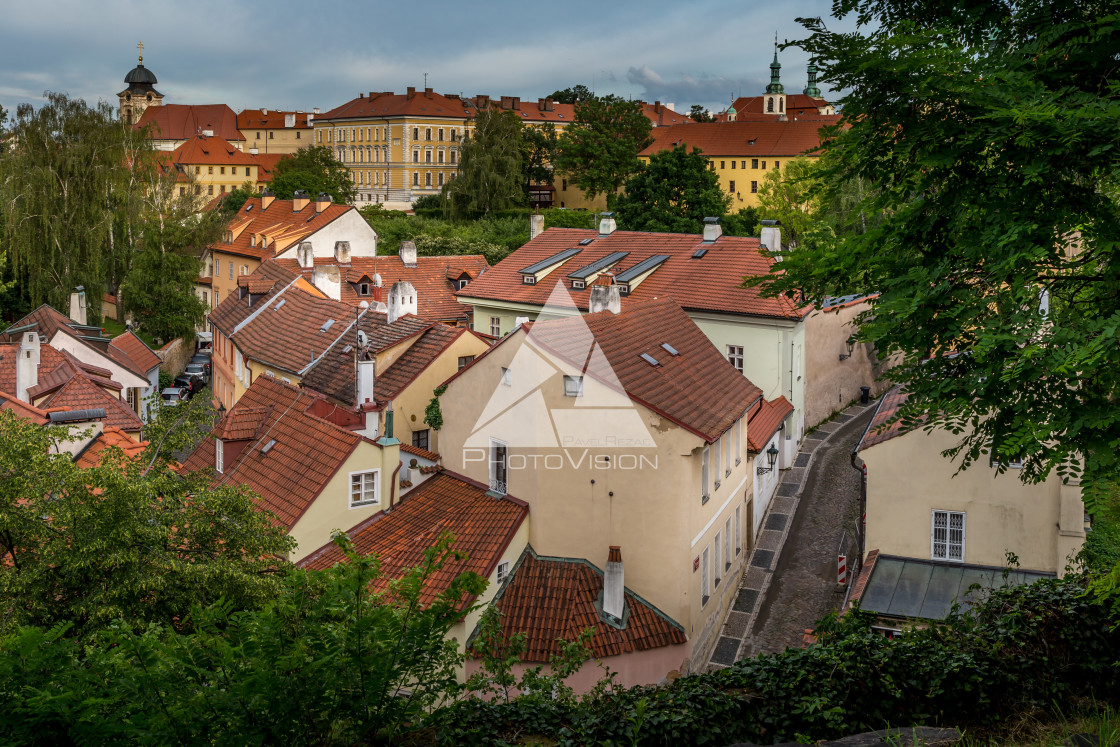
<point x="573" y="386"/>
<point x="529" y="279"/>
<point x="503" y="567"/>
<point x="363" y="488"/>
<point x="363" y="289"/>
<point x="578" y="285"/>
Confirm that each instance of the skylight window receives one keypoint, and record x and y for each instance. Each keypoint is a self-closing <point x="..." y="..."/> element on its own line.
<point x="585" y="242"/>
<point x="669" y="348"/>
<point x="699" y="253"/>
<point x="650" y="359"/>
<point x="248" y="208"/>
<point x="268" y="446"/>
<point x="327" y="325"/>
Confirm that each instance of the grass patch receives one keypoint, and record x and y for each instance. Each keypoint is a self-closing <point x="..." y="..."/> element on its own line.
<point x="113" y="328"/>
<point x="1042" y="729"/>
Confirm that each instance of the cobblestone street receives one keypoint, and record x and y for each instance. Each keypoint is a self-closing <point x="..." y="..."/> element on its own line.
<point x="791" y="578"/>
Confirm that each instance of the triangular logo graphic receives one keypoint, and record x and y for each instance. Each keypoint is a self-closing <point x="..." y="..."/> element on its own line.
<point x="560" y="391"/>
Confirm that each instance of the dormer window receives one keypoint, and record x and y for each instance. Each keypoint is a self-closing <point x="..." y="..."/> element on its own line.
<point x="573" y="386"/>
<point x="623" y="289"/>
<point x="461" y="283"/>
<point x="363" y="289"/>
<point x="529" y="279"/>
<point x="578" y="285"/>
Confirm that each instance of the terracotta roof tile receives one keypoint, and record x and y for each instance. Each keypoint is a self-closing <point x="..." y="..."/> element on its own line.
<point x="266" y="165"/>
<point x="48" y="321"/>
<point x="710" y="283"/>
<point x="242" y="423"/>
<point x="278" y="223"/>
<point x="431" y="456"/>
<point x="49" y="360"/>
<point x="765" y="418"/>
<point x="80" y="393"/>
<point x="433" y="278"/>
<point x="24" y="410"/>
<point x="307" y="453"/>
<point x="795" y="104"/>
<point x="248" y="119"/>
<point x="697" y="388"/>
<point x="554" y="598"/>
<point x="861" y="581"/>
<point x="878" y="431"/>
<point x="232" y="310"/>
<point x="424" y="103"/>
<point x="110" y="437"/>
<point x="770" y="138"/>
<point x="483" y="527"/>
<point x="214" y="151"/>
<point x="184" y="121"/>
<point x="131" y="352"/>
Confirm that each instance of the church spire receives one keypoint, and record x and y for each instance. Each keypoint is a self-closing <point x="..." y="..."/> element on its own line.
<point x="811" y="89"/>
<point x="775" y="71"/>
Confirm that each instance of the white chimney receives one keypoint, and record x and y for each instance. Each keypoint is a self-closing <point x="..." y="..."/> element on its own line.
<point x="254" y="151"/>
<point x="27" y="364"/>
<point x="604" y="298"/>
<point x="712" y="229"/>
<point x="208" y="133"/>
<point x="365" y="381"/>
<point x="771" y="235"/>
<point x="342" y="252"/>
<point x="408" y="253"/>
<point x="614" y="584"/>
<point x="78" y="305"/>
<point x="402" y="300"/>
<point x="264" y="112"/>
<point x="306" y="256"/>
<point x="328" y="279"/>
<point x="289" y="120"/>
<point x="536" y="226"/>
<point x="606" y="224"/>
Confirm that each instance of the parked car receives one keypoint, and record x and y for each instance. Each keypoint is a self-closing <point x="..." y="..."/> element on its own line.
<point x="189" y="382"/>
<point x="173" y="395"/>
<point x="203" y="359"/>
<point x="201" y="370"/>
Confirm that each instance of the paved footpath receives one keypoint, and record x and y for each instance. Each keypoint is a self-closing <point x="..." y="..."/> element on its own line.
<point x="790" y="581"/>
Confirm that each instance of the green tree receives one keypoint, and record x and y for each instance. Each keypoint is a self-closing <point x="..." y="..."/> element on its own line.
<point x="599" y="150"/>
<point x="572" y="95"/>
<point x="128" y="539"/>
<point x="314" y="170"/>
<point x="538" y="152"/>
<point x="56" y="190"/>
<point x="792" y="195"/>
<point x="992" y="137"/>
<point x="489" y="177"/>
<point x="700" y="114"/>
<point x="673" y="193"/>
<point x="236" y="197"/>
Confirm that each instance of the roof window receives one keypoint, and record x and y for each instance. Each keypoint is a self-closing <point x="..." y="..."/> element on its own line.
<point x="585" y="242"/>
<point x="699" y="253"/>
<point x="268" y="446"/>
<point x="669" y="348"/>
<point x="650" y="359"/>
<point x="327" y="325"/>
<point x="248" y="208"/>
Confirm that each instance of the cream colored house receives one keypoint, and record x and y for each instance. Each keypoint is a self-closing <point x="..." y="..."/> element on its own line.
<point x="624" y="430"/>
<point x="931" y="528"/>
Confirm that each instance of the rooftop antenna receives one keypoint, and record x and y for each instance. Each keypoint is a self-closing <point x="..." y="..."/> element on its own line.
<point x="426" y="75"/>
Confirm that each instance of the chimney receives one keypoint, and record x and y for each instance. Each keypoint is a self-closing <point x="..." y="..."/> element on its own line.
<point x="607" y="225"/>
<point x="402" y="300"/>
<point x="604" y="298"/>
<point x="208" y="133"/>
<point x="328" y="279"/>
<point x="322" y="202"/>
<point x="299" y="200"/>
<point x="289" y="120"/>
<point x="712" y="229"/>
<point x="365" y="380"/>
<point x="254" y="151"/>
<point x="306" y="256"/>
<point x="311" y="117"/>
<point x="78" y="305"/>
<point x="264" y="112"/>
<point x="428" y="92"/>
<point x="410" y="91"/>
<point x="267" y="198"/>
<point x="377" y="299"/>
<point x="342" y="252"/>
<point x="314" y="110"/>
<point x="408" y="253"/>
<point x="536" y="226"/>
<point x="771" y="235"/>
<point x="614" y="585"/>
<point x="27" y="364"/>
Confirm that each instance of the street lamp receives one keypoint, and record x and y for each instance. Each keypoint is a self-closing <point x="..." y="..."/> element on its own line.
<point x="771" y="458"/>
<point x="851" y="343"/>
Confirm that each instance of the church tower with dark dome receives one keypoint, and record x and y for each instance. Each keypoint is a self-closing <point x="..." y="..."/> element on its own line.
<point x="141" y="92"/>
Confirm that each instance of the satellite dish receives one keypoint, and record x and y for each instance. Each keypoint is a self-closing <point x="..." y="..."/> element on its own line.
<point x="363" y="338"/>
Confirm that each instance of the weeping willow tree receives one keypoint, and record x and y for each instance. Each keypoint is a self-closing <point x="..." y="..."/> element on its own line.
<point x="490" y="176"/>
<point x="65" y="162"/>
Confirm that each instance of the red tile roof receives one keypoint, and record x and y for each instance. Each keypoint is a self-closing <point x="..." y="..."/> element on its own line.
<point x="49" y="360"/>
<point x="110" y="437"/>
<point x="131" y="352"/>
<point x="22" y="409"/>
<point x="431" y="456"/>
<point x="233" y="310"/>
<point x="770" y="138"/>
<point x="81" y="393"/>
<point x="269" y="119"/>
<point x="660" y="115"/>
<point x="549" y="599"/>
<point x="861" y="581"/>
<point x="698" y="388"/>
<point x="242" y="423"/>
<point x="878" y="431"/>
<point x="278" y="224"/>
<point x="425" y="103"/>
<point x="184" y="121"/>
<point x="433" y="278"/>
<point x="210" y="151"/>
<point x="709" y="283"/>
<point x="797" y="104"/>
<point x="483" y="527"/>
<point x="765" y="418"/>
<point x="266" y="165"/>
<point x="48" y="321"/>
<point x="307" y="453"/>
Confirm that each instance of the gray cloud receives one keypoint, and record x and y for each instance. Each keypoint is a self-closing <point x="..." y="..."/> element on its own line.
<point x="714" y="92"/>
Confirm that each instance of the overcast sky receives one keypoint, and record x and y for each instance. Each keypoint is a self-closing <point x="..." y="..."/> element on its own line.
<point x="278" y="54"/>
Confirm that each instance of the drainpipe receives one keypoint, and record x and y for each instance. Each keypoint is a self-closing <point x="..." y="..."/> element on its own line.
<point x="861" y="526"/>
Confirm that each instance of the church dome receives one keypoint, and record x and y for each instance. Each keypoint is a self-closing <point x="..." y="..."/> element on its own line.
<point x="141" y="75"/>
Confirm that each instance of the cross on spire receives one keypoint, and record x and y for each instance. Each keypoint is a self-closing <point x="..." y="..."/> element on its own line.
<point x="140" y="46"/>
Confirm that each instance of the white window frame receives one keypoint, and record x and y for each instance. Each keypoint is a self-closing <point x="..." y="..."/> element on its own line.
<point x="735" y="357"/>
<point x="573" y="386"/>
<point x="219" y="456"/>
<point x="705" y="576"/>
<point x="363" y="476"/>
<point x="502" y="572"/>
<point x="705" y="470"/>
<point x="498" y="486"/>
<point x="496" y="326"/>
<point x="947" y="526"/>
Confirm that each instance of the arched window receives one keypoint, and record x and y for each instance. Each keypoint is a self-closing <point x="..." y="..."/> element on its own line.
<point x="781" y="105"/>
<point x="769" y="105"/>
